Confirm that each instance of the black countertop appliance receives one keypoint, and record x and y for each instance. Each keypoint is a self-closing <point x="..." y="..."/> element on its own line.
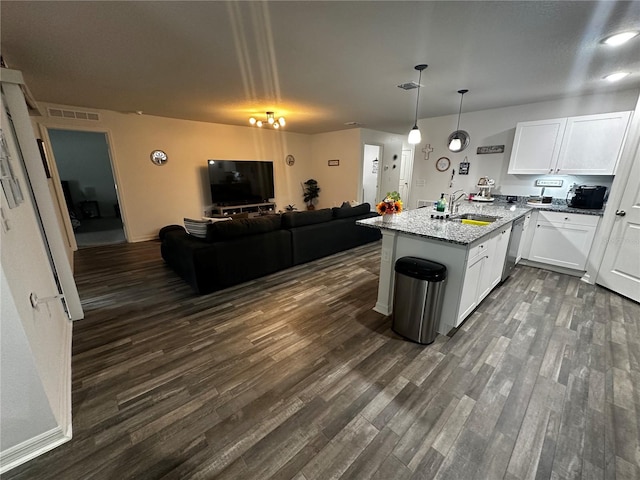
<point x="588" y="196"/>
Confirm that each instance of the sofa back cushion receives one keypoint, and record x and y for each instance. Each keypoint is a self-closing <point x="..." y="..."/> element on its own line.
<point x="220" y="231"/>
<point x="308" y="217"/>
<point x="344" y="212"/>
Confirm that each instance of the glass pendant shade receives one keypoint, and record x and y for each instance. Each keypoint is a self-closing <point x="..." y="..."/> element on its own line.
<point x="455" y="145"/>
<point x="414" y="135"/>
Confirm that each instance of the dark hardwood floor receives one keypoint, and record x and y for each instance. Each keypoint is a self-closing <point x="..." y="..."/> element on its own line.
<point x="295" y="377"/>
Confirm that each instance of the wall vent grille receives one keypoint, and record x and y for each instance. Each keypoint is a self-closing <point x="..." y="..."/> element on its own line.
<point x="75" y="114"/>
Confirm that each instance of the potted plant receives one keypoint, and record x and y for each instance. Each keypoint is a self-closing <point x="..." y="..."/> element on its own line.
<point x="310" y="192"/>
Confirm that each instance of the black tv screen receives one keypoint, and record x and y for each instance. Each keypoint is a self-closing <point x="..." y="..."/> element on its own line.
<point x="238" y="182"/>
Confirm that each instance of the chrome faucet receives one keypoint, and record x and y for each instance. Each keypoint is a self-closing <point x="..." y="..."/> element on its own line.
<point x="454" y="201"/>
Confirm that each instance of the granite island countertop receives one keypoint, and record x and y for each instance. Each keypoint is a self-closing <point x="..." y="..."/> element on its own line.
<point x="419" y="222"/>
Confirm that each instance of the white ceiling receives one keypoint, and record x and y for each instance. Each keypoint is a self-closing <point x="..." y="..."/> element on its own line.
<point x="321" y="64"/>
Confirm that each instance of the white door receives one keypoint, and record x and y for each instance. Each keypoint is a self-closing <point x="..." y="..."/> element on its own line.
<point x="620" y="268"/>
<point x="406" y="168"/>
<point x="371" y="164"/>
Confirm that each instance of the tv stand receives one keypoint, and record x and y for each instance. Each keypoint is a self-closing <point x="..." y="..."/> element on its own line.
<point x="252" y="209"/>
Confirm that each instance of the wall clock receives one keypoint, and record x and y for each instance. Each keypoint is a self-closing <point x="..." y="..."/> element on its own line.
<point x="290" y="160"/>
<point x="158" y="157"/>
<point x="443" y="164"/>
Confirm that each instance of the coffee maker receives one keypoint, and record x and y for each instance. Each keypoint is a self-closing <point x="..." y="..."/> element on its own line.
<point x="588" y="196"/>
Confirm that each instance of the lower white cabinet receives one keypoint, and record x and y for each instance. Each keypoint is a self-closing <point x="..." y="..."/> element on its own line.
<point x="483" y="270"/>
<point x="500" y="254"/>
<point x="563" y="239"/>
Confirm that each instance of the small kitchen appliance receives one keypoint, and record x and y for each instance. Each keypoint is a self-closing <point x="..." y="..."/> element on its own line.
<point x="588" y="197"/>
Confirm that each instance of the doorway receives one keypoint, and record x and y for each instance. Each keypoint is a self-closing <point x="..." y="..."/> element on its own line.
<point x="84" y="166"/>
<point x="370" y="168"/>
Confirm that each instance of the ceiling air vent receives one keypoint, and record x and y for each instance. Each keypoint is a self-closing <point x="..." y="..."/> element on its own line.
<point x="409" y="85"/>
<point x="75" y="114"/>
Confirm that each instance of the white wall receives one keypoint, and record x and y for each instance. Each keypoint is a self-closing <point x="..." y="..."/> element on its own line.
<point x="46" y="329"/>
<point x="341" y="183"/>
<point x="154" y="196"/>
<point x="24" y="407"/>
<point x="497" y="127"/>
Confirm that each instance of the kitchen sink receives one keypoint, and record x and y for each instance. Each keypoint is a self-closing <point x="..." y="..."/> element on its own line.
<point x="475" y="217"/>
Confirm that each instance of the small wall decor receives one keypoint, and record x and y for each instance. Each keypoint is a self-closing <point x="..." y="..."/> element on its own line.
<point x="490" y="149"/>
<point x="443" y="164"/>
<point x="464" y="168"/>
<point x="427" y="150"/>
<point x="548" y="183"/>
<point x="374" y="166"/>
<point x="158" y="157"/>
<point x="290" y="160"/>
<point x="333" y="163"/>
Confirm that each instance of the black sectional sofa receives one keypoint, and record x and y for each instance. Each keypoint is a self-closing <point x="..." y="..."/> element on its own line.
<point x="236" y="251"/>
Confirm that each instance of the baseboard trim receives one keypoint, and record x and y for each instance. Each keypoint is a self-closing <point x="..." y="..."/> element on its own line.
<point x="30" y="449"/>
<point x="383" y="309"/>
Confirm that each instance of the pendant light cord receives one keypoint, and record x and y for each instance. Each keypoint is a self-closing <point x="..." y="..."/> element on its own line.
<point x="459" y="112"/>
<point x="415" y="123"/>
<point x="461" y="92"/>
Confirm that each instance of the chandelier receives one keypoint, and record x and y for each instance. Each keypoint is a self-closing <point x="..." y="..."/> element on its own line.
<point x="270" y="120"/>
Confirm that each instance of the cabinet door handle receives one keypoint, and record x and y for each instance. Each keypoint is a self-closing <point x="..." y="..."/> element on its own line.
<point x="557" y="170"/>
<point x="621" y="213"/>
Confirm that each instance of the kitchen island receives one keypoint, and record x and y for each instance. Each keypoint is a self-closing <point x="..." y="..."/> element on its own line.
<point x="473" y="254"/>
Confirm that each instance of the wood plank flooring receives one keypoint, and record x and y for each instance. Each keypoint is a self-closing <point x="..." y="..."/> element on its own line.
<point x="295" y="377"/>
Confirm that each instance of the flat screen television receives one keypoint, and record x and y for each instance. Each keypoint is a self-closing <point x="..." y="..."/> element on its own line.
<point x="240" y="182"/>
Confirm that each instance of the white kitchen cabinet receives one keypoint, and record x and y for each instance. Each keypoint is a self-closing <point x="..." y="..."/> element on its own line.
<point x="563" y="239"/>
<point x="536" y="146"/>
<point x="470" y="287"/>
<point x="583" y="145"/>
<point x="483" y="270"/>
<point x="592" y="144"/>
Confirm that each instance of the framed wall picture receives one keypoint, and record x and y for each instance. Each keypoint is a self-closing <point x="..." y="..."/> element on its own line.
<point x="333" y="163"/>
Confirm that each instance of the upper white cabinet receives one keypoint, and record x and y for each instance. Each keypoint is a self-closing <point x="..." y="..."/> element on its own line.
<point x="536" y="146"/>
<point x="584" y="145"/>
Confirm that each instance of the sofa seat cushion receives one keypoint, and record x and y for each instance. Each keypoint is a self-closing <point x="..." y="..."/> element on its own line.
<point x="242" y="227"/>
<point x="308" y="217"/>
<point x="346" y="212"/>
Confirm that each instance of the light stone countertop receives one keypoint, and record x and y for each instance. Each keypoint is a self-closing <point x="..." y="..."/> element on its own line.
<point x="419" y="222"/>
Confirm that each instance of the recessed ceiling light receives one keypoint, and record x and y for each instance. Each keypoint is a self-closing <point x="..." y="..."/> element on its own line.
<point x="614" y="77"/>
<point x="619" y="38"/>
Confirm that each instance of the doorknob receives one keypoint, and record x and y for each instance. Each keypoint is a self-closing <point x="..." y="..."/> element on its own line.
<point x="621" y="213"/>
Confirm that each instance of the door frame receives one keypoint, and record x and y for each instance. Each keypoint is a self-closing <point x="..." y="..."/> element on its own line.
<point x="57" y="182"/>
<point x="380" y="166"/>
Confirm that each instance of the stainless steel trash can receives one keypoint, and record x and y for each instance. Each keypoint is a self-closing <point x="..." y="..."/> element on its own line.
<point x="417" y="298"/>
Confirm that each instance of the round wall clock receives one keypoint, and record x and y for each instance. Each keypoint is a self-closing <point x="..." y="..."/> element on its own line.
<point x="443" y="164"/>
<point x="290" y="160"/>
<point x="158" y="157"/>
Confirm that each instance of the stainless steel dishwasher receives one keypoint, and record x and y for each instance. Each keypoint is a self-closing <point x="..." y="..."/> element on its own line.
<point x="512" y="250"/>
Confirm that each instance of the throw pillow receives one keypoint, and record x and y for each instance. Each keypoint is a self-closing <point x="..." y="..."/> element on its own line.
<point x="197" y="228"/>
<point x="345" y="205"/>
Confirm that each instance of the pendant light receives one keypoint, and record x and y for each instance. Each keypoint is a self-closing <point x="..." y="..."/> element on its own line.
<point x="459" y="140"/>
<point x="414" y="134"/>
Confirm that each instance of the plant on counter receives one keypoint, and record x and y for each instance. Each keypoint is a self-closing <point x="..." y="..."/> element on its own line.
<point x="390" y="205"/>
